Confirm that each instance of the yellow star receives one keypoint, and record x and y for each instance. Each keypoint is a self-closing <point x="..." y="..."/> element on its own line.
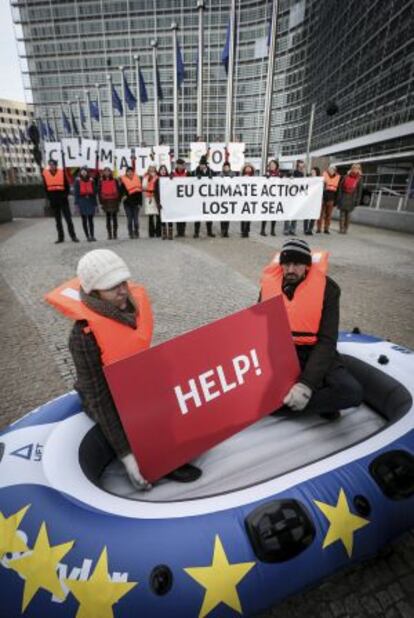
<point x="342" y="522"/>
<point x="220" y="580"/>
<point x="99" y="593"/>
<point x="10" y="541"/>
<point x="39" y="567"/>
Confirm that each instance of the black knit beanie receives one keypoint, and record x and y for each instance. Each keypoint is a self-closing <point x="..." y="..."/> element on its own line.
<point x="296" y="251"/>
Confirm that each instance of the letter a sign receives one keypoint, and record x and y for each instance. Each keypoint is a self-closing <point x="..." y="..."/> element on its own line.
<point x="175" y="402"/>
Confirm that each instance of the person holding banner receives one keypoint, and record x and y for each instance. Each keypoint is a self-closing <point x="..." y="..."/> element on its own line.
<point x="331" y="180"/>
<point x="108" y="191"/>
<point x="289" y="227"/>
<point x="179" y="172"/>
<point x="311" y="300"/>
<point x="167" y="229"/>
<point x="309" y="223"/>
<point x="85" y="191"/>
<point x="247" y="170"/>
<point x="272" y="171"/>
<point x="57" y="191"/>
<point x="225" y="173"/>
<point x="131" y="187"/>
<point x="203" y="171"/>
<point x="151" y="207"/>
<point x="113" y="320"/>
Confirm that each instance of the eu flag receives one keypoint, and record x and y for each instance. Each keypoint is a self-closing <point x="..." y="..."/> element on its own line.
<point x="50" y="131"/>
<point x="225" y="54"/>
<point x="116" y="102"/>
<point x="94" y="110"/>
<point x="82" y="117"/>
<point x="129" y="97"/>
<point x="143" y="94"/>
<point x="74" y="124"/>
<point x="159" y="89"/>
<point x="66" y="123"/>
<point x="43" y="129"/>
<point x="180" y="66"/>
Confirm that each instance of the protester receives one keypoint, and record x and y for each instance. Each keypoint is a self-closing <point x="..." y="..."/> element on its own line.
<point x="109" y="196"/>
<point x="203" y="170"/>
<point x="167" y="229"/>
<point x="311" y="300"/>
<point x="57" y="190"/>
<point x="349" y="196"/>
<point x="225" y="173"/>
<point x="113" y="320"/>
<point x="151" y="208"/>
<point x="247" y="170"/>
<point x="289" y="228"/>
<point x="131" y="187"/>
<point x="331" y="180"/>
<point x="309" y="223"/>
<point x="180" y="172"/>
<point x="85" y="199"/>
<point x="272" y="170"/>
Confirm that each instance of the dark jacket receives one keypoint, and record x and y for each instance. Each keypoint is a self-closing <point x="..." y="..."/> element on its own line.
<point x="91" y="383"/>
<point x="58" y="198"/>
<point x="348" y="201"/>
<point x="130" y="200"/>
<point x="208" y="173"/>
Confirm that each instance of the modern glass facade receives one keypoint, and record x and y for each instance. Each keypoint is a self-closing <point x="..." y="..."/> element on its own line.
<point x="16" y="160"/>
<point x="359" y="54"/>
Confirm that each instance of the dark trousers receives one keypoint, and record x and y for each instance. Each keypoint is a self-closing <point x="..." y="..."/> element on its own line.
<point x="272" y="228"/>
<point x="339" y="391"/>
<point x="181" y="229"/>
<point x="154" y="226"/>
<point x="209" y="226"/>
<point x="224" y="228"/>
<point x="112" y="224"/>
<point x="58" y="211"/>
<point x="88" y="226"/>
<point x="308" y="225"/>
<point x="131" y="212"/>
<point x="289" y="227"/>
<point x="245" y="228"/>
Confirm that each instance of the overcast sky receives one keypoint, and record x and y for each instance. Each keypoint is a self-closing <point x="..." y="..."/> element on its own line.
<point x="11" y="85"/>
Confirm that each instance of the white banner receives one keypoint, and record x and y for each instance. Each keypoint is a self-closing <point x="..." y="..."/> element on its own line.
<point x="162" y="156"/>
<point x="197" y="150"/>
<point x="89" y="152"/>
<point x="71" y="152"/>
<point x="240" y="199"/>
<point x="216" y="156"/>
<point x="142" y="160"/>
<point x="236" y="155"/>
<point x="123" y="159"/>
<point x="53" y="150"/>
<point x="106" y="155"/>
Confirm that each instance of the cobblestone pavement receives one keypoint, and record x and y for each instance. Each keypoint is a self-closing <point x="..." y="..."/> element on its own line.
<point x="192" y="282"/>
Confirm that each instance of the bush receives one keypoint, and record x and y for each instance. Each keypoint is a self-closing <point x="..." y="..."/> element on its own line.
<point x="21" y="192"/>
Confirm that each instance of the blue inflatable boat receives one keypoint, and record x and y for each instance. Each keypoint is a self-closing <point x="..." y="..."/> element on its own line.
<point x="279" y="507"/>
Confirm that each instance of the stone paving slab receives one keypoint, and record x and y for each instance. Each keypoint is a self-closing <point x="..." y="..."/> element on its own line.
<point x="192" y="282"/>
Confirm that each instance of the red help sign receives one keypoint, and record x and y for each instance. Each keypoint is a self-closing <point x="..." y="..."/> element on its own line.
<point x="184" y="396"/>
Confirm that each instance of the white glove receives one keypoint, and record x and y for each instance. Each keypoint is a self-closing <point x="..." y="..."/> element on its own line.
<point x="134" y="474"/>
<point x="298" y="396"/>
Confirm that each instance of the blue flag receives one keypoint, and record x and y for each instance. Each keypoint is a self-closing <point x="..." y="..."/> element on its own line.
<point x="143" y="94"/>
<point x="116" y="101"/>
<point x="269" y="33"/>
<point x="225" y="54"/>
<point x="43" y="129"/>
<point x="66" y="123"/>
<point x="74" y="124"/>
<point x="15" y="138"/>
<point x="129" y="97"/>
<point x="82" y="117"/>
<point x="9" y="140"/>
<point x="180" y="66"/>
<point x="50" y="131"/>
<point x="159" y="89"/>
<point x="94" y="110"/>
<point x="4" y="141"/>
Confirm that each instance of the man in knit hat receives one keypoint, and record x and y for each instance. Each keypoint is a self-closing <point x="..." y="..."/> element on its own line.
<point x="113" y="320"/>
<point x="311" y="299"/>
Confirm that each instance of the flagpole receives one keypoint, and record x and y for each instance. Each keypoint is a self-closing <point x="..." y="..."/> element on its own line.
<point x="124" y="106"/>
<point x="111" y="108"/>
<point x="55" y="125"/>
<point x="48" y="127"/>
<point x="267" y="113"/>
<point x="89" y="117"/>
<point x="80" y="128"/>
<point x="200" y="8"/>
<point x="308" y="144"/>
<point x="154" y="78"/>
<point x="229" y="100"/>
<point x="62" y="111"/>
<point x="70" y="117"/>
<point x="174" y="28"/>
<point x="98" y="100"/>
<point x="139" y="110"/>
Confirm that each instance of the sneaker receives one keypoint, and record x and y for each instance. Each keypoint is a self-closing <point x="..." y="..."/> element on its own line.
<point x="185" y="474"/>
<point x="74" y="239"/>
<point x="263" y="234"/>
<point x="326" y="232"/>
<point x="58" y="241"/>
<point x="330" y="416"/>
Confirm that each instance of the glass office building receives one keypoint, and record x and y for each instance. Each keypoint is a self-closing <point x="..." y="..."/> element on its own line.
<point x="358" y="54"/>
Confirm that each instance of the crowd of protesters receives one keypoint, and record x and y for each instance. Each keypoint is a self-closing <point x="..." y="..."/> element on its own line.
<point x="136" y="192"/>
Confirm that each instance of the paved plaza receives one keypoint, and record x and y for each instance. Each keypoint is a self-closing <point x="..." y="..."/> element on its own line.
<point x="193" y="282"/>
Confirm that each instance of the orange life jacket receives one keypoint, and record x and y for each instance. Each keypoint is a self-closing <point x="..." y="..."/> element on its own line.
<point x="108" y="189"/>
<point x="115" y="340"/>
<point x="132" y="185"/>
<point x="54" y="182"/>
<point x="305" y="309"/>
<point x="331" y="182"/>
<point x="150" y="185"/>
<point x="85" y="187"/>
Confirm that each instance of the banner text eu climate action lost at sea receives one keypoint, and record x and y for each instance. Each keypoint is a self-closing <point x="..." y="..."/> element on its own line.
<point x="240" y="199"/>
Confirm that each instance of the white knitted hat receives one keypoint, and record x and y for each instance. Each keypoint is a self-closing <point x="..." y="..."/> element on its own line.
<point x="101" y="269"/>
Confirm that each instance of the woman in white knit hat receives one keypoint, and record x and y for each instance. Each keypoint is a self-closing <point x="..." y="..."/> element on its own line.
<point x="113" y="320"/>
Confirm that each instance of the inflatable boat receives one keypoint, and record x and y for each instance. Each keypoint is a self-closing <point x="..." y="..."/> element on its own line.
<point x="279" y="507"/>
